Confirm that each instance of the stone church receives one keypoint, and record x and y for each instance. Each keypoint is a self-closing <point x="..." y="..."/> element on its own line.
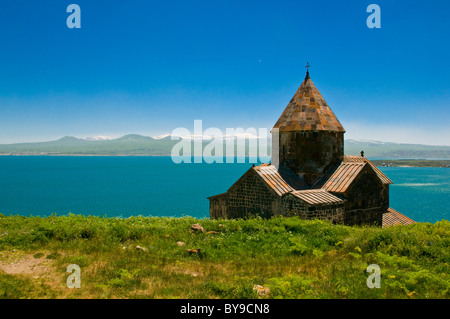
<point x="309" y="175"/>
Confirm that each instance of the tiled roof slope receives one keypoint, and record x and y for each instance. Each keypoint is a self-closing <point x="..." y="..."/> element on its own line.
<point x="343" y="177"/>
<point x="308" y="111"/>
<point x="394" y="218"/>
<point x="317" y="197"/>
<point x="340" y="176"/>
<point x="284" y="181"/>
<point x="361" y="159"/>
<point x="281" y="180"/>
<point x="336" y="180"/>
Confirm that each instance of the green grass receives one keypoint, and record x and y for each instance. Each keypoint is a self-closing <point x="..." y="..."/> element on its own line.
<point x="294" y="258"/>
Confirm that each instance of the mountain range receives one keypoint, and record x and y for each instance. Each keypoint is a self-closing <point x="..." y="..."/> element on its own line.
<point x="134" y="144"/>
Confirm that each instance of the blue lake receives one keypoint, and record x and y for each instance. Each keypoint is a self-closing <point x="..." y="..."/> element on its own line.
<point x="155" y="186"/>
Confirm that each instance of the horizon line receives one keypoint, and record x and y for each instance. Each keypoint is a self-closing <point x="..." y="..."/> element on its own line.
<point x="103" y="138"/>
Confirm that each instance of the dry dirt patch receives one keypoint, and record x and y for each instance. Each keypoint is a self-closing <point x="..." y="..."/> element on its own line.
<point x="15" y="263"/>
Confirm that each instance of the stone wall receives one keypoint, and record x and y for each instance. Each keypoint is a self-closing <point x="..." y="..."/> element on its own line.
<point x="367" y="200"/>
<point x="293" y="206"/>
<point x="367" y="216"/>
<point x="310" y="153"/>
<point x="251" y="198"/>
<point x="218" y="206"/>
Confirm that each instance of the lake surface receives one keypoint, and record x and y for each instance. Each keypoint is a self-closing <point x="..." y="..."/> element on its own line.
<point x="155" y="186"/>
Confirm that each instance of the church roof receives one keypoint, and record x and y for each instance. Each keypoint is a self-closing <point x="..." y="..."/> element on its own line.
<point x="317" y="197"/>
<point x="339" y="178"/>
<point x="308" y="111"/>
<point x="384" y="179"/>
<point x="343" y="177"/>
<point x="394" y="218"/>
<point x="281" y="181"/>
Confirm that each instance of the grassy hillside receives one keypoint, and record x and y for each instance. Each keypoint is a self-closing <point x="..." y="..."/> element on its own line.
<point x="142" y="257"/>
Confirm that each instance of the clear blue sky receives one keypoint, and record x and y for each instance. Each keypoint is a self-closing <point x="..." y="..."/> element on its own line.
<point x="148" y="67"/>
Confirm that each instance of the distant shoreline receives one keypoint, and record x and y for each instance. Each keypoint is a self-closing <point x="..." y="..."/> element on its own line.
<point x="378" y="162"/>
<point x="411" y="163"/>
<point x="90" y="155"/>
